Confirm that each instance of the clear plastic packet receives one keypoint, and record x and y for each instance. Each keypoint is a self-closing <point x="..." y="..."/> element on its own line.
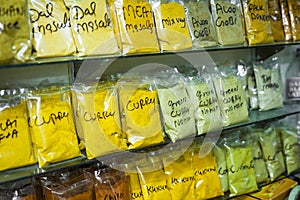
<point x="232" y="100"/>
<point x="252" y="89"/>
<point x="51" y="29"/>
<point x="111" y="184"/>
<point x="140" y="115"/>
<point x="228" y="21"/>
<point x="240" y="164"/>
<point x="276" y="20"/>
<point x="137" y="30"/>
<point x="289" y="139"/>
<point x="207" y="181"/>
<point x="71" y="185"/>
<point x="269" y="84"/>
<point x="15" y="37"/>
<point x="251" y="135"/>
<point x="97" y="118"/>
<point x="272" y="152"/>
<point x="177" y="109"/>
<point x="15" y="140"/>
<point x="51" y="124"/>
<point x="207" y="111"/>
<point x="286" y="21"/>
<point x="257" y="21"/>
<point x="294" y="13"/>
<point x="200" y="23"/>
<point x="219" y="152"/>
<point x="180" y="175"/>
<point x="90" y="22"/>
<point x="242" y="68"/>
<point x="171" y="25"/>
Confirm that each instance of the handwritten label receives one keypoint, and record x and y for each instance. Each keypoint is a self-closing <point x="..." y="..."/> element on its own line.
<point x="156" y="189"/>
<point x="53" y="118"/>
<point x="267" y="84"/>
<point x="90" y="117"/>
<point x="116" y="196"/>
<point x="235" y="169"/>
<point x="9" y="13"/>
<point x="178" y="21"/>
<point x="8" y="129"/>
<point x="179" y="110"/>
<point x="137" y="195"/>
<point x="232" y="96"/>
<point x="288" y="146"/>
<point x="227" y="15"/>
<point x="140" y="104"/>
<point x="201" y="27"/>
<point x="47" y="14"/>
<point x="204" y="171"/>
<point x="222" y="171"/>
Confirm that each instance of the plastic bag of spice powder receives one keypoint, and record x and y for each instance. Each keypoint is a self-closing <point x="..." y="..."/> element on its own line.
<point x="171" y="24"/>
<point x="276" y="20"/>
<point x="15" y="38"/>
<point x="294" y="12"/>
<point x="136" y="25"/>
<point x="51" y="125"/>
<point x="286" y="21"/>
<point x="91" y="21"/>
<point x="258" y="21"/>
<point x="15" y="140"/>
<point x="228" y="21"/>
<point x="51" y="29"/>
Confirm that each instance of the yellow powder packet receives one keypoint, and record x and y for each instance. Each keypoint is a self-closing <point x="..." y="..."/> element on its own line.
<point x="97" y="116"/>
<point x="276" y="20"/>
<point x="135" y="187"/>
<point x="180" y="176"/>
<point x="257" y="20"/>
<point x="294" y="16"/>
<point x="15" y="141"/>
<point x="228" y="21"/>
<point x="241" y="173"/>
<point x="154" y="185"/>
<point x="220" y="156"/>
<point x="140" y="114"/>
<point x="207" y="181"/>
<point x="286" y="21"/>
<point x="91" y="21"/>
<point x="172" y="26"/>
<point x="15" y="38"/>
<point x="136" y="26"/>
<point x="52" y="126"/>
<point x="51" y="28"/>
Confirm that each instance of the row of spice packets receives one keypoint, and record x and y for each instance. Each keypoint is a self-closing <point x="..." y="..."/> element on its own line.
<point x="96" y="27"/>
<point x="130" y="112"/>
<point x="239" y="164"/>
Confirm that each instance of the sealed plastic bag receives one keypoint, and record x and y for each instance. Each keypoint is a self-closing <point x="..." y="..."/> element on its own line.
<point x="200" y="24"/>
<point x="241" y="172"/>
<point x="140" y="116"/>
<point x="135" y="186"/>
<point x="51" y="29"/>
<point x="15" y="38"/>
<point x="180" y="176"/>
<point x="272" y="152"/>
<point x="172" y="26"/>
<point x="257" y="20"/>
<point x="228" y="21"/>
<point x="15" y="141"/>
<point x="137" y="30"/>
<point x="286" y="21"/>
<point x="91" y="21"/>
<point x="19" y="190"/>
<point x="207" y="115"/>
<point x="220" y="155"/>
<point x="231" y="96"/>
<point x="294" y="13"/>
<point x="177" y="109"/>
<point x="207" y="181"/>
<point x="51" y="125"/>
<point x="111" y="184"/>
<point x="269" y="84"/>
<point x="276" y="20"/>
<point x="98" y="119"/>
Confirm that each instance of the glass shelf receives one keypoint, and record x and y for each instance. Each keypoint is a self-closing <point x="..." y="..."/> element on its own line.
<point x="32" y="171"/>
<point x="74" y="59"/>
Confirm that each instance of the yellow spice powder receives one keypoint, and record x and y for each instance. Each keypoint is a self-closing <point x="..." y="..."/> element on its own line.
<point x="257" y="20"/>
<point x="140" y="117"/>
<point x="286" y="21"/>
<point x="51" y="28"/>
<point x="294" y="12"/>
<point x="97" y="113"/>
<point x="276" y="20"/>
<point x="15" y="141"/>
<point x="91" y="22"/>
<point x="137" y="28"/>
<point x="52" y="127"/>
<point x="172" y="26"/>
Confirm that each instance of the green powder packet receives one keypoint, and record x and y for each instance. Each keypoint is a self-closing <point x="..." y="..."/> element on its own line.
<point x="15" y="38"/>
<point x="272" y="152"/>
<point x="208" y="114"/>
<point x="231" y="97"/>
<point x="269" y="84"/>
<point x="220" y="155"/>
<point x="241" y="172"/>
